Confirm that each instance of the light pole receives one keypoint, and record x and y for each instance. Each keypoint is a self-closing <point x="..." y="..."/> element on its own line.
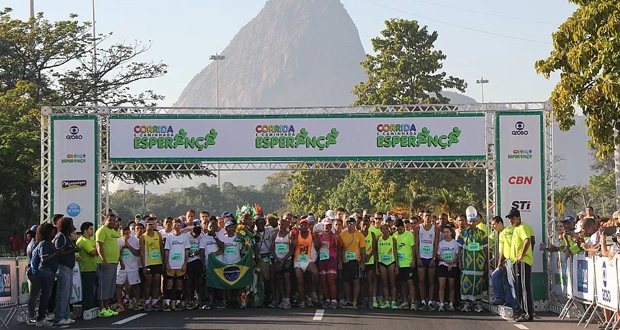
<point x="217" y="58"/>
<point x="482" y="81"/>
<point x="31" y="8"/>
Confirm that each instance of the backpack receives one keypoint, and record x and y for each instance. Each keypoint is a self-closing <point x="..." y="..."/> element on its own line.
<point x="35" y="261"/>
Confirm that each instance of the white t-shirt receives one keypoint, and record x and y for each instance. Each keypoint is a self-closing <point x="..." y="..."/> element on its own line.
<point x="194" y="246"/>
<point x="132" y="262"/>
<point x="232" y="250"/>
<point x="263" y="240"/>
<point x="176" y="245"/>
<point x="164" y="234"/>
<point x="221" y="233"/>
<point x="448" y="251"/>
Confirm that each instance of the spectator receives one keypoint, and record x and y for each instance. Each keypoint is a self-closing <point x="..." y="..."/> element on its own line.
<point x="35" y="284"/>
<point x="591" y="236"/>
<point x="581" y="217"/>
<point x="66" y="260"/>
<point x="47" y="268"/>
<point x="107" y="247"/>
<point x="16" y="244"/>
<point x="88" y="265"/>
<point x="521" y="253"/>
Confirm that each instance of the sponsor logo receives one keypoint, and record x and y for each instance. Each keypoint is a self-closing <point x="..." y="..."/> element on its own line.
<point x="605" y="293"/>
<point x="72" y="184"/>
<point x="522" y="206"/>
<point x="163" y="137"/>
<point x="299" y="140"/>
<point x="74" y="210"/>
<point x="74" y="133"/>
<point x="520" y="129"/>
<point x="396" y="129"/>
<point x="74" y="158"/>
<point x="275" y="130"/>
<point x="521" y="154"/>
<point x="520" y="180"/>
<point x="403" y="138"/>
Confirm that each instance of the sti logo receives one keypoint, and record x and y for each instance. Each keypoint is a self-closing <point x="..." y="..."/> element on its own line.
<point x="520" y="129"/>
<point x="523" y="206"/>
<point x="520" y="180"/>
<point x="74" y="133"/>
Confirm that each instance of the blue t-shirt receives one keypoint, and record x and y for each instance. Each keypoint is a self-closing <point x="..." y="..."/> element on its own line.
<point x="61" y="241"/>
<point x="48" y="248"/>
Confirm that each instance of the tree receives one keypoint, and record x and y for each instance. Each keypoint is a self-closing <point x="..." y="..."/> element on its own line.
<point x="406" y="69"/>
<point x="566" y="200"/>
<point x="586" y="53"/>
<point x="311" y="190"/>
<point x="351" y="193"/>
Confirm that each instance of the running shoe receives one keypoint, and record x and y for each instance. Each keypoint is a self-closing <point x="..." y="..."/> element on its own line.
<point x="287" y="304"/>
<point x="354" y="305"/>
<point x="384" y="305"/>
<point x="114" y="313"/>
<point x="63" y="322"/>
<point x="413" y="306"/>
<point x="440" y="308"/>
<point x="465" y="308"/>
<point x="157" y="306"/>
<point x="206" y="306"/>
<point x="148" y="307"/>
<point x="190" y="305"/>
<point x="333" y="304"/>
<point x="309" y="302"/>
<point x="179" y="306"/>
<point x="394" y="305"/>
<point x="524" y="318"/>
<point x="172" y="305"/>
<point x="220" y="305"/>
<point x="326" y="304"/>
<point x="348" y="304"/>
<point x="103" y="313"/>
<point x="120" y="309"/>
<point x="50" y="317"/>
<point x="315" y="299"/>
<point x="44" y="323"/>
<point x="302" y="305"/>
<point x="375" y="304"/>
<point x="431" y="307"/>
<point x="167" y="308"/>
<point x="32" y="322"/>
<point x="423" y="307"/>
<point x="478" y="308"/>
<point x="274" y="304"/>
<point x="404" y="305"/>
<point x="341" y="303"/>
<point x="451" y="307"/>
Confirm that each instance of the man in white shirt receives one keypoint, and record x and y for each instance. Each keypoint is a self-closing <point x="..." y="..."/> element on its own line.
<point x="176" y="255"/>
<point x="129" y="269"/>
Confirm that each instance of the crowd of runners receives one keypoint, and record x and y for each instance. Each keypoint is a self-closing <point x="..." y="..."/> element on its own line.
<point x="358" y="260"/>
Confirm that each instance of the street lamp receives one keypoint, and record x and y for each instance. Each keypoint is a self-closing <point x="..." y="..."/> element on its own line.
<point x="217" y="58"/>
<point x="482" y="81"/>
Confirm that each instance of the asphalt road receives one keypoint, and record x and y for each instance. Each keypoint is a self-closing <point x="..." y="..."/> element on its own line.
<point x="310" y="318"/>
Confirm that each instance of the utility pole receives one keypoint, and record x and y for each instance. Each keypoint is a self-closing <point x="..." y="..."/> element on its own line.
<point x="31" y="9"/>
<point x="217" y="58"/>
<point x="482" y="81"/>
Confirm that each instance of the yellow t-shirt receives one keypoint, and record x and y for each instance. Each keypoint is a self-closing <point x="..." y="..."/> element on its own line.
<point x="404" y="243"/>
<point x="369" y="245"/>
<point x="505" y="240"/>
<point x="483" y="226"/>
<point x="351" y="244"/>
<point x="519" y="235"/>
<point x="109" y="238"/>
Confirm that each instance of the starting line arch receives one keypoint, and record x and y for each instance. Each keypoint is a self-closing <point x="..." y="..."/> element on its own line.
<point x="512" y="142"/>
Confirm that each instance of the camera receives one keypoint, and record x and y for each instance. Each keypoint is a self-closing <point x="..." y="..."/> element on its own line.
<point x="614" y="238"/>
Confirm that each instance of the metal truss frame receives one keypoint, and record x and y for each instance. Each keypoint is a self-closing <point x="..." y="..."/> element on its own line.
<point x="107" y="168"/>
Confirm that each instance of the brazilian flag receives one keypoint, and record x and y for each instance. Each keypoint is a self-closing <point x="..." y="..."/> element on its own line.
<point x="235" y="276"/>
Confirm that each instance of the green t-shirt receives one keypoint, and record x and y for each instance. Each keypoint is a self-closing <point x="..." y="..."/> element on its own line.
<point x="109" y="238"/>
<point x="375" y="230"/>
<point x="505" y="240"/>
<point x="405" y="243"/>
<point x="573" y="247"/>
<point x="88" y="263"/>
<point x="483" y="226"/>
<point x="519" y="235"/>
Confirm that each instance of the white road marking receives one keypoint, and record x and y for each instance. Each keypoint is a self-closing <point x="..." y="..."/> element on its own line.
<point x="521" y="326"/>
<point x="129" y="319"/>
<point x="318" y="316"/>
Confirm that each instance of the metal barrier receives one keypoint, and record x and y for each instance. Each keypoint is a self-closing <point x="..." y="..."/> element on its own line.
<point x="9" y="292"/>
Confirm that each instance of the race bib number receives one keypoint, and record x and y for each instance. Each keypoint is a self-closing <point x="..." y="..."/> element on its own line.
<point x="282" y="248"/>
<point x="177" y="256"/>
<point x="266" y="259"/>
<point x="426" y="248"/>
<point x="387" y="258"/>
<point x="324" y="255"/>
<point x="193" y="249"/>
<point x="126" y="254"/>
<point x="303" y="258"/>
<point x="401" y="257"/>
<point x="155" y="255"/>
<point x="350" y="255"/>
<point x="473" y="246"/>
<point x="447" y="256"/>
<point x="230" y="251"/>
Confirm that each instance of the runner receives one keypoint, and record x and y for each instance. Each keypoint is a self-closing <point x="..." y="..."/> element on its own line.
<point x="231" y="255"/>
<point x="352" y="251"/>
<point x="107" y="248"/>
<point x="328" y="262"/>
<point x="428" y="239"/>
<point x="303" y="242"/>
<point x="210" y="243"/>
<point x="473" y="264"/>
<point x="168" y="224"/>
<point x="151" y="247"/>
<point x="406" y="252"/>
<point x="129" y="270"/>
<point x="263" y="245"/>
<point x="176" y="252"/>
<point x="448" y="256"/>
<point x="370" y="278"/>
<point x="194" y="285"/>
<point x="387" y="268"/>
<point x="282" y="249"/>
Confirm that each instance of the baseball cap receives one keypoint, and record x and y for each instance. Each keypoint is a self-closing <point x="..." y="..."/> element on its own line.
<point x="138" y="215"/>
<point x="142" y="222"/>
<point x="34" y="227"/>
<point x="304" y="221"/>
<point x="226" y="214"/>
<point x="229" y="223"/>
<point x="351" y="219"/>
<point x="330" y="214"/>
<point x="513" y="213"/>
<point x="327" y="221"/>
<point x="569" y="219"/>
<point x="310" y="219"/>
<point x="581" y="213"/>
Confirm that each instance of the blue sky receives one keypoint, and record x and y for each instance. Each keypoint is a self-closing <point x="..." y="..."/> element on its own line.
<point x="185" y="32"/>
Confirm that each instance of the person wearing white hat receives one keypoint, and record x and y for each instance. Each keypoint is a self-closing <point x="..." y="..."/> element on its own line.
<point x="473" y="262"/>
<point x="328" y="263"/>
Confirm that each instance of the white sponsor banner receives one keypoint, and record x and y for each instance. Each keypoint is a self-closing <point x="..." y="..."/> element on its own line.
<point x="520" y="178"/>
<point x="606" y="271"/>
<point x="561" y="270"/>
<point x="292" y="138"/>
<point x="74" y="168"/>
<point x="583" y="277"/>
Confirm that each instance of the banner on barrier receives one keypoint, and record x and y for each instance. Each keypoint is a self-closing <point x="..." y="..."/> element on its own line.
<point x="606" y="271"/>
<point x="382" y="136"/>
<point x="583" y="277"/>
<point x="74" y="168"/>
<point x="561" y="272"/>
<point x="8" y="282"/>
<point x="520" y="171"/>
<point x="23" y="283"/>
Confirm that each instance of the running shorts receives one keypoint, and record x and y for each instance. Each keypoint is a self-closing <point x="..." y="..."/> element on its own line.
<point x="426" y="263"/>
<point x="287" y="267"/>
<point x="155" y="269"/>
<point x="442" y="271"/>
<point x="405" y="273"/>
<point x="328" y="266"/>
<point x="177" y="274"/>
<point x="124" y="276"/>
<point x="195" y="269"/>
<point x="350" y="270"/>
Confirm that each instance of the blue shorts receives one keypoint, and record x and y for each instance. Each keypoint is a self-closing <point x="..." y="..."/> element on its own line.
<point x="426" y="263"/>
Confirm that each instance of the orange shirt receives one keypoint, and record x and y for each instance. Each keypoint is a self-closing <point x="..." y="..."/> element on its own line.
<point x="351" y="245"/>
<point x="303" y="250"/>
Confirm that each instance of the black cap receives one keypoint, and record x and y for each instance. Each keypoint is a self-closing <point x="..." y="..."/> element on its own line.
<point x="399" y="223"/>
<point x="513" y="213"/>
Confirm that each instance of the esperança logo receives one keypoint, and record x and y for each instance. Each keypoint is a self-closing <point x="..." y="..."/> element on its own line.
<point x="275" y="130"/>
<point x="301" y="139"/>
<point x="419" y="139"/>
<point x="396" y="129"/>
<point x="74" y="158"/>
<point x="521" y="154"/>
<point x="179" y="140"/>
<point x="153" y="130"/>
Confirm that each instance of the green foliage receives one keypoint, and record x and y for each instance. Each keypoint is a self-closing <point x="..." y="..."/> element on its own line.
<point x="311" y="190"/>
<point x="406" y="69"/>
<point x="587" y="53"/>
